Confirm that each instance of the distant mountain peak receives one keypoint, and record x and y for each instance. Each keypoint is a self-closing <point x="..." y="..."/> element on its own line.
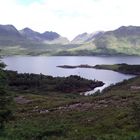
<point x="9" y="30"/>
<point x="8" y="27"/>
<point x="126" y="31"/>
<point x="83" y="34"/>
<point x="86" y="37"/>
<point x="49" y="35"/>
<point x="27" y="30"/>
<point x="30" y="34"/>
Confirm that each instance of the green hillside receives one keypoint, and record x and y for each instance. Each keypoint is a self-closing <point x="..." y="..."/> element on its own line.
<point x="122" y="41"/>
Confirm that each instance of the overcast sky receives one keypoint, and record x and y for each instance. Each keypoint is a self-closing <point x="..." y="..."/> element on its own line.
<point x="70" y="17"/>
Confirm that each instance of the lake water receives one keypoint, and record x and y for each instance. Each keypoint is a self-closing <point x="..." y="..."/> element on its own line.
<point x="48" y="66"/>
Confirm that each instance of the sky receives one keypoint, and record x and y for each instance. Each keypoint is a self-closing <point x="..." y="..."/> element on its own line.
<point x="70" y="17"/>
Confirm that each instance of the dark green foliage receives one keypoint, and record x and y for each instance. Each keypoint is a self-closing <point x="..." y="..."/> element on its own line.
<point x="48" y="83"/>
<point x="5" y="100"/>
<point x="76" y="83"/>
<point x="136" y="113"/>
<point x="2" y="65"/>
<point x="130" y="69"/>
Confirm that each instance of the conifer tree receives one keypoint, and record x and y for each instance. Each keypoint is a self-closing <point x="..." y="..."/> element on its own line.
<point x="5" y="99"/>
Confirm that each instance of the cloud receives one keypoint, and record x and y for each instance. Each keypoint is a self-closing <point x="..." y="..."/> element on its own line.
<point x="70" y="17"/>
<point x="28" y="2"/>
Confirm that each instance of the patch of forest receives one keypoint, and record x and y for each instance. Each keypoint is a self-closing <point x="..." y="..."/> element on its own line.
<point x="41" y="82"/>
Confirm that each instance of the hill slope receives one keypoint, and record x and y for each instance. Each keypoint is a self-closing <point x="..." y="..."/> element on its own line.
<point x="125" y="40"/>
<point x="48" y="37"/>
<point x="85" y="37"/>
<point x="122" y="41"/>
<point x="9" y="35"/>
<point x="59" y="115"/>
<point x="27" y="41"/>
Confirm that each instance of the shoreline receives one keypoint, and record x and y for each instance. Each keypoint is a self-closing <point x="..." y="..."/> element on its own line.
<point x="121" y="68"/>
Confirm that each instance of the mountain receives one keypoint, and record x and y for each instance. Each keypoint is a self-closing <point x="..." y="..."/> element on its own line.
<point x="50" y="35"/>
<point x="53" y="38"/>
<point x="122" y="41"/>
<point x="30" y="34"/>
<point x="28" y="41"/>
<point x="86" y="37"/>
<point x="125" y="31"/>
<point x="9" y="31"/>
<point x="36" y="36"/>
<point x="10" y="36"/>
<point x="81" y="38"/>
<point x="47" y="37"/>
<point x="94" y="35"/>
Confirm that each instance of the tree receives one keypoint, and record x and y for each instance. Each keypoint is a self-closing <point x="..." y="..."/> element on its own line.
<point x="5" y="100"/>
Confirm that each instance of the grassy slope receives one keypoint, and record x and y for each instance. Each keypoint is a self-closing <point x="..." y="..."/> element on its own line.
<point x="128" y="45"/>
<point x="32" y="48"/>
<point x="105" y="45"/>
<point x="110" y="44"/>
<point x="108" y="116"/>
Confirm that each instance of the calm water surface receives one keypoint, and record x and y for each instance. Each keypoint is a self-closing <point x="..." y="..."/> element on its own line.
<point x="48" y="66"/>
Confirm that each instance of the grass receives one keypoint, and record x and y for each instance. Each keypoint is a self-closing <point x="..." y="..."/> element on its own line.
<point x="107" y="116"/>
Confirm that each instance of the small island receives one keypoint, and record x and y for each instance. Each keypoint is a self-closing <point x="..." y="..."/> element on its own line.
<point x="78" y="66"/>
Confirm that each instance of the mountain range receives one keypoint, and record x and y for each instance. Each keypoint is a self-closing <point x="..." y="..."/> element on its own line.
<point x="122" y="41"/>
<point x="10" y="33"/>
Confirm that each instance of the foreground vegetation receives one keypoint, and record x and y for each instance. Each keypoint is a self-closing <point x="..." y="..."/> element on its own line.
<point x="51" y="115"/>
